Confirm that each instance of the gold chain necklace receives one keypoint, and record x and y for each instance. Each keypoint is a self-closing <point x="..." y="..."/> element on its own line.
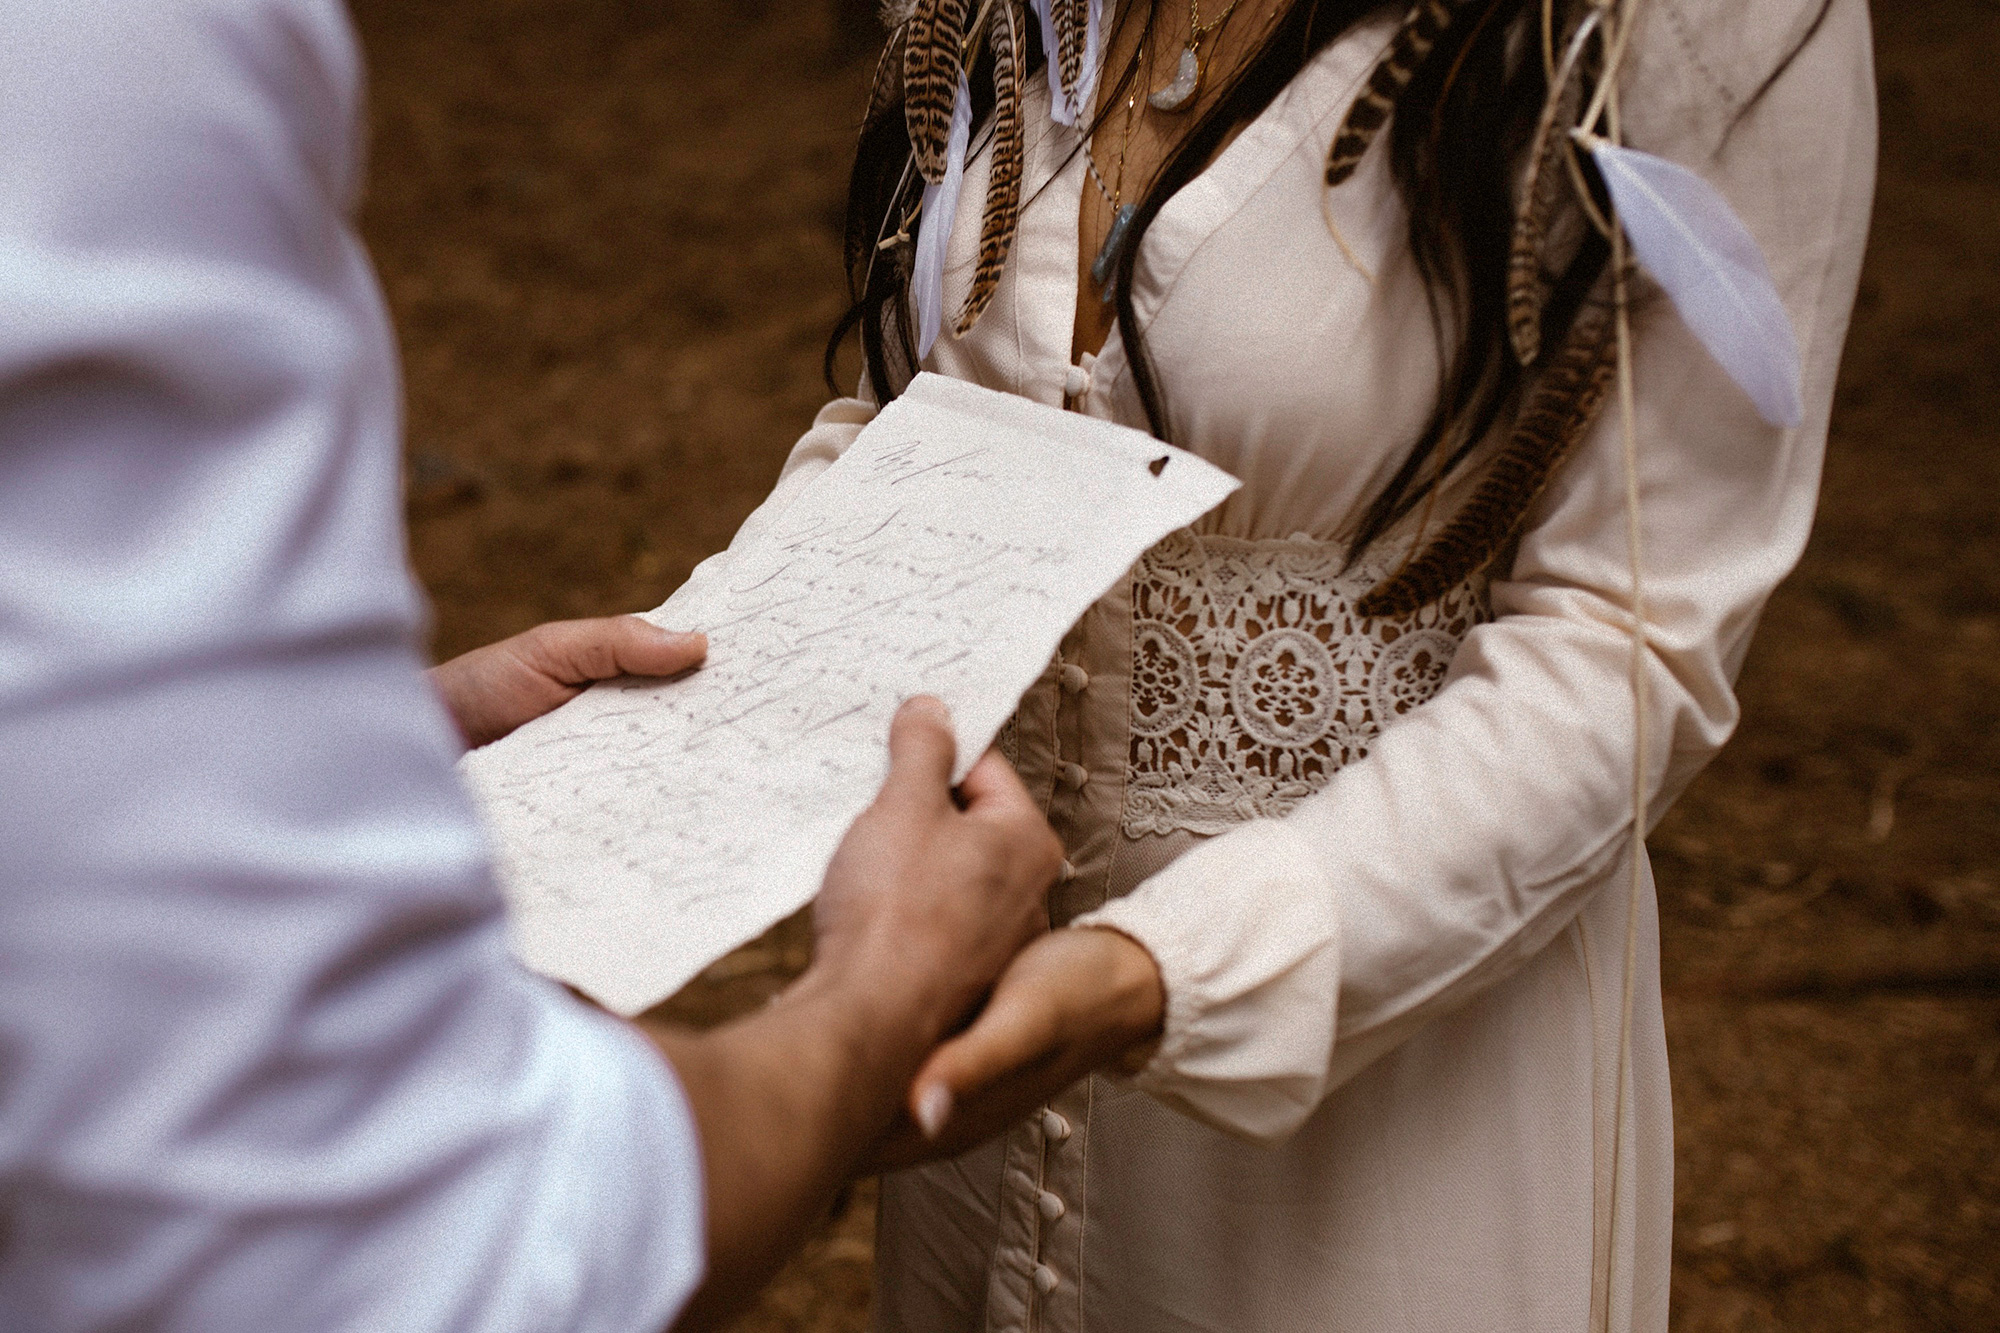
<point x="1121" y="212"/>
<point x="1176" y="95"/>
<point x="1187" y="73"/>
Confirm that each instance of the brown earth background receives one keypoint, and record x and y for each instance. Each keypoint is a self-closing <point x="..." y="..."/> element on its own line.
<point x="608" y="229"/>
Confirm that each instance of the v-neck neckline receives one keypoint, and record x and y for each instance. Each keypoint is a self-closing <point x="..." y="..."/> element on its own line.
<point x="1199" y="209"/>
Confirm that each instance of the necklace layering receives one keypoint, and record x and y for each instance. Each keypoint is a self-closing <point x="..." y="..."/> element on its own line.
<point x="1176" y="95"/>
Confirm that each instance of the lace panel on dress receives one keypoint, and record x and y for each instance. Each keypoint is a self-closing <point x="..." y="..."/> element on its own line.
<point x="1254" y="679"/>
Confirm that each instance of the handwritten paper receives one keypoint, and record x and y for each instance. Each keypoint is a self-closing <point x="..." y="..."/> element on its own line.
<point x="646" y="828"/>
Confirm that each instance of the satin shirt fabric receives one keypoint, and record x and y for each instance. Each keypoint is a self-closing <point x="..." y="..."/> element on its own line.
<point x="1385" y="1098"/>
<point x="264" y="1060"/>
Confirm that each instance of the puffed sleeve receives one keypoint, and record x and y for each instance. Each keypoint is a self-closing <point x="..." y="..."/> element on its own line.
<point x="265" y="1062"/>
<point x="833" y="430"/>
<point x="1480" y="823"/>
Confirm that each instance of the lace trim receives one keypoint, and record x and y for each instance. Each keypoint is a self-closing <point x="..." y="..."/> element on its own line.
<point x="1254" y="680"/>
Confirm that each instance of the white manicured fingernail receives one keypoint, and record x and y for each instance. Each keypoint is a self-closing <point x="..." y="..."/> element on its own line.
<point x="933" y="1109"/>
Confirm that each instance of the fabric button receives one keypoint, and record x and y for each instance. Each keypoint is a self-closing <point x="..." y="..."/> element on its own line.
<point x="1051" y="1207"/>
<point x="1072" y="776"/>
<point x="1066" y="874"/>
<point x="1046" y="1280"/>
<point x="1054" y="1126"/>
<point x="1074" y="678"/>
<point x="1077" y="382"/>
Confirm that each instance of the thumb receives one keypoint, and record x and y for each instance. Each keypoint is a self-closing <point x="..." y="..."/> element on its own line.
<point x="1011" y="1033"/>
<point x="576" y="652"/>
<point x="922" y="751"/>
<point x="641" y="648"/>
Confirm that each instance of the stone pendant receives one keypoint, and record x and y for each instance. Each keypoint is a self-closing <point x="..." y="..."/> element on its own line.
<point x="1187" y="77"/>
<point x="1106" y="263"/>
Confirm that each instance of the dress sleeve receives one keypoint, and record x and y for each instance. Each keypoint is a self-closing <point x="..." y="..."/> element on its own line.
<point x="1477" y="827"/>
<point x="833" y="430"/>
<point x="265" y="1062"/>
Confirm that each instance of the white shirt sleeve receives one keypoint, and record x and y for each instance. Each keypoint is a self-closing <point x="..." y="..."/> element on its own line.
<point x="264" y="1060"/>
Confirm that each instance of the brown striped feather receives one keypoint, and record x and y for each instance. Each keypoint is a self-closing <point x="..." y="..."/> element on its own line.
<point x="1408" y="50"/>
<point x="886" y="89"/>
<point x="1003" y="192"/>
<point x="1558" y="414"/>
<point x="1541" y="193"/>
<point x="1072" y="20"/>
<point x="933" y="62"/>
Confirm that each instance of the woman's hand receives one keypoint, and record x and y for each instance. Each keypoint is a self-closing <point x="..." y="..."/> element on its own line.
<point x="1072" y="1002"/>
<point x="492" y="690"/>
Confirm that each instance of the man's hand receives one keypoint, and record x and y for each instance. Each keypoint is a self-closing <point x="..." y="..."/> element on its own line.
<point x="929" y="897"/>
<point x="1073" y="1002"/>
<point x="492" y="690"/>
<point x="924" y="904"/>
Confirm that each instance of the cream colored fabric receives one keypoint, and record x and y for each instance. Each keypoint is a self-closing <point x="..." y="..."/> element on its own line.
<point x="1385" y="1095"/>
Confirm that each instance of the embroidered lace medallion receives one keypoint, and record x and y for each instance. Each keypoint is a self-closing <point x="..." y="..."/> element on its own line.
<point x="1254" y="679"/>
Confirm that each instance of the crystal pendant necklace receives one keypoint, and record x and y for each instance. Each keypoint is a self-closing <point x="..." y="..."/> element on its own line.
<point x="1106" y="262"/>
<point x="1187" y="72"/>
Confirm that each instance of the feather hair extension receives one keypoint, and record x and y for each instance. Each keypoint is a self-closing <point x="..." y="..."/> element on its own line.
<point x="1072" y="38"/>
<point x="1541" y="193"/>
<point x="883" y="94"/>
<point x="1412" y="44"/>
<point x="895" y="13"/>
<point x="1559" y="412"/>
<point x="1003" y="192"/>
<point x="1072" y="24"/>
<point x="886" y="89"/>
<point x="1692" y="243"/>
<point x="936" y="216"/>
<point x="933" y="67"/>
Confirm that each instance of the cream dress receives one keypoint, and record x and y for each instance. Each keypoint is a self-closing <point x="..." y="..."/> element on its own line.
<point x="1392" y="935"/>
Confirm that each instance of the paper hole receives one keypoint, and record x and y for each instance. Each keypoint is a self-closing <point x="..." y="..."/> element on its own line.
<point x="1158" y="465"/>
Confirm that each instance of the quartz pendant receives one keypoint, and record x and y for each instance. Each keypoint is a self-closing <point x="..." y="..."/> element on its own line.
<point x="1101" y="268"/>
<point x="1187" y="77"/>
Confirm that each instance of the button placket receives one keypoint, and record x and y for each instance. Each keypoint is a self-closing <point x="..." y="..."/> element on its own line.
<point x="1059" y="1204"/>
<point x="1073" y="680"/>
<point x="1049" y="1207"/>
<point x="1012" y="1296"/>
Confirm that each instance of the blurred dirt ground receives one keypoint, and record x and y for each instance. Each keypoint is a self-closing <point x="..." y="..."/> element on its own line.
<point x="608" y="229"/>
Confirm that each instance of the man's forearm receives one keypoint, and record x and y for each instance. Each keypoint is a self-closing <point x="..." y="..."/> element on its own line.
<point x="789" y="1101"/>
<point x="926" y="901"/>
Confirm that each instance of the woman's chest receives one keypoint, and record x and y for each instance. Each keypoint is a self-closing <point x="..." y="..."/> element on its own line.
<point x="1288" y="339"/>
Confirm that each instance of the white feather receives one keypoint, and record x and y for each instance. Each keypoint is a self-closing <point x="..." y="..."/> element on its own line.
<point x="940" y="210"/>
<point x="1701" y="254"/>
<point x="1059" y="110"/>
<point x="1093" y="56"/>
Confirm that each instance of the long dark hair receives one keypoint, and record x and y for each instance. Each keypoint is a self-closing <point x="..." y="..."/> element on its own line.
<point x="1459" y="131"/>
